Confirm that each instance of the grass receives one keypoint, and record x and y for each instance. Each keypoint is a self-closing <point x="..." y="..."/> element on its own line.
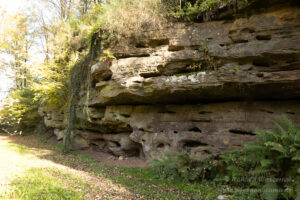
<point x="53" y="175"/>
<point x="46" y="184"/>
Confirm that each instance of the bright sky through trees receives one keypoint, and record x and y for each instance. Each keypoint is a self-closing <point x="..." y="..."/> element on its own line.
<point x="10" y="7"/>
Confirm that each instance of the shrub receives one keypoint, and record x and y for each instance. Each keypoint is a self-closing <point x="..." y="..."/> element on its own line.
<point x="128" y="17"/>
<point x="271" y="163"/>
<point x="20" y="113"/>
<point x="270" y="166"/>
<point x="199" y="10"/>
<point x="182" y="166"/>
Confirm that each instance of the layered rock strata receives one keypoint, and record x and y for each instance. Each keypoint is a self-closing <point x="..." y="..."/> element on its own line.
<point x="203" y="88"/>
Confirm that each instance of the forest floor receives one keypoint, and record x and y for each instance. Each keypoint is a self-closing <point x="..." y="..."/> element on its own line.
<point x="31" y="168"/>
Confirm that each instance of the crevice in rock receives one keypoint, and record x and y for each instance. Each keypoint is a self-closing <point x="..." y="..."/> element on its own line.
<point x="131" y="56"/>
<point x="247" y="30"/>
<point x="175" y="48"/>
<point x="224" y="44"/>
<point x="125" y="115"/>
<point x="195" y="47"/>
<point x="150" y="74"/>
<point x="238" y="41"/>
<point x="291" y="113"/>
<point x="167" y="112"/>
<point x="195" y="129"/>
<point x="263" y="37"/>
<point x="204" y="112"/>
<point x="240" y="132"/>
<point x="201" y="120"/>
<point x="232" y="32"/>
<point x="158" y="42"/>
<point x="141" y="45"/>
<point x="267" y="111"/>
<point x="193" y="144"/>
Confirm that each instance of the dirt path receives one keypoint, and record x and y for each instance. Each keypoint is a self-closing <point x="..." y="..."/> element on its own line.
<point x="32" y="169"/>
<point x="16" y="160"/>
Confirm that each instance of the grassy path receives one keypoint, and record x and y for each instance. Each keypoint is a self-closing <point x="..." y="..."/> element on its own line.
<point x="32" y="169"/>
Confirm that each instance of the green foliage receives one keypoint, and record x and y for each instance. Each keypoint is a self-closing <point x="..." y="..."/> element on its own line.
<point x="20" y="111"/>
<point x="208" y="62"/>
<point x="107" y="55"/>
<point x="271" y="162"/>
<point x="199" y="10"/>
<point x="269" y="167"/>
<point x="181" y="166"/>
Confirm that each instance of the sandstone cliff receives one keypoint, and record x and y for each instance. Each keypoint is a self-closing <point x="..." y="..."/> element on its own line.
<point x="202" y="88"/>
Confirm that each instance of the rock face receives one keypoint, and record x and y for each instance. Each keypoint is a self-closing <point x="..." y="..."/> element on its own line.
<point x="202" y="88"/>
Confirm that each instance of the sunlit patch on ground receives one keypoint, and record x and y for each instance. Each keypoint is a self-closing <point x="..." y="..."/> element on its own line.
<point x="25" y="174"/>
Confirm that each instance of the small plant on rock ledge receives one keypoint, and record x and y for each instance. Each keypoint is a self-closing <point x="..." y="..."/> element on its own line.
<point x="208" y="62"/>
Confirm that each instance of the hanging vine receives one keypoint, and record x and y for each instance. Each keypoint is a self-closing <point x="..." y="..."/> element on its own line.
<point x="80" y="74"/>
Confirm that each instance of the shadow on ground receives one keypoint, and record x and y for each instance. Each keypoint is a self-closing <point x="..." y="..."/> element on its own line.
<point x="130" y="178"/>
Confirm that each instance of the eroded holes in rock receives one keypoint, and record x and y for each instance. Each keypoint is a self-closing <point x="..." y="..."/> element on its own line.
<point x="175" y="48"/>
<point x="133" y="152"/>
<point x="125" y="115"/>
<point x="263" y="37"/>
<point x="232" y="32"/>
<point x="94" y="147"/>
<point x="160" y="145"/>
<point x="247" y="30"/>
<point x="260" y="75"/>
<point x="261" y="62"/>
<point x="267" y="111"/>
<point x="158" y="42"/>
<point x="130" y="56"/>
<point x="175" y="132"/>
<point x="195" y="129"/>
<point x="151" y="74"/>
<point x="195" y="47"/>
<point x="141" y="129"/>
<point x="97" y="147"/>
<point x="240" y="132"/>
<point x="291" y="113"/>
<point x="141" y="45"/>
<point x="117" y="144"/>
<point x="167" y="112"/>
<point x="237" y="41"/>
<point x="204" y="112"/>
<point x="202" y="120"/>
<point x="193" y="144"/>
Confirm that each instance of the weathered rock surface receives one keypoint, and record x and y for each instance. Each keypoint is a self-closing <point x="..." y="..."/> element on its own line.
<point x="203" y="88"/>
<point x="259" y="57"/>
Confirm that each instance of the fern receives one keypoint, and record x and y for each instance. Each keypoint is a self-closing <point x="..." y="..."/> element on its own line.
<point x="275" y="154"/>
